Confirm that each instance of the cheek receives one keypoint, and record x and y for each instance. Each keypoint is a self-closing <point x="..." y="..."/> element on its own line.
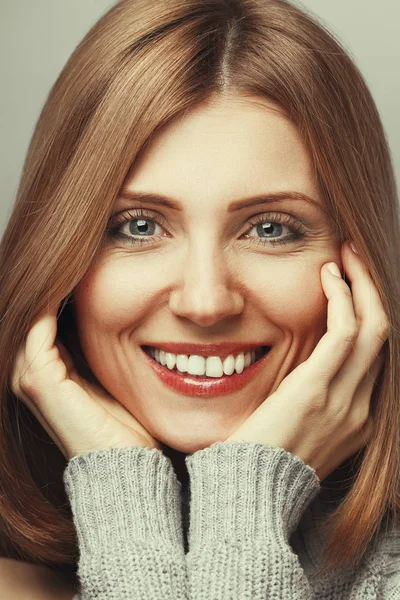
<point x="109" y="298"/>
<point x="292" y="297"/>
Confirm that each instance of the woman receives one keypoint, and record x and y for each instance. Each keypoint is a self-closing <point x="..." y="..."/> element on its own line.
<point x="196" y="169"/>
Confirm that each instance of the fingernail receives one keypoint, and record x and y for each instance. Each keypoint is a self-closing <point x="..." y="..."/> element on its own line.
<point x="334" y="269"/>
<point x="353" y="247"/>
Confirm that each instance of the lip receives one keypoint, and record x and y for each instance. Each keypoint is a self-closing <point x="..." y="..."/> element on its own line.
<point x="206" y="387"/>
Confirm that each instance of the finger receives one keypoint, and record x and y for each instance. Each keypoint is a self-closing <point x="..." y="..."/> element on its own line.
<point x="362" y="438"/>
<point x="38" y="341"/>
<point x="64" y="409"/>
<point x="65" y="357"/>
<point x="367" y="303"/>
<point x="368" y="431"/>
<point x="21" y="396"/>
<point x="41" y="336"/>
<point x="373" y="323"/>
<point x="360" y="408"/>
<point x="341" y="332"/>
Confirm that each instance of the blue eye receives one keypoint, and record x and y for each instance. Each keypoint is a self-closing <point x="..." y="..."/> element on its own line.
<point x="138" y="221"/>
<point x="142" y="225"/>
<point x="265" y="225"/>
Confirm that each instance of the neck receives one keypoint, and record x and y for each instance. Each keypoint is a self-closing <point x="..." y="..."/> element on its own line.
<point x="178" y="461"/>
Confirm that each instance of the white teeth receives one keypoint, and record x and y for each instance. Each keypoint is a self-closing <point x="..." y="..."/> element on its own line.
<point x="239" y="363"/>
<point x="196" y="365"/>
<point x="229" y="365"/>
<point x="212" y="366"/>
<point x="170" y="360"/>
<point x="182" y="363"/>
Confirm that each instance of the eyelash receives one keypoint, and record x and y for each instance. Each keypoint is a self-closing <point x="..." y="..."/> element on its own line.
<point x="298" y="231"/>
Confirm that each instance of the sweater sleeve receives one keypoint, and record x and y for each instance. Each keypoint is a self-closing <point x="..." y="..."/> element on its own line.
<point x="127" y="514"/>
<point x="246" y="500"/>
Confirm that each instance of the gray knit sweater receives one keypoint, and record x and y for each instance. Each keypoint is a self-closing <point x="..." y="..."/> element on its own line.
<point x="254" y="529"/>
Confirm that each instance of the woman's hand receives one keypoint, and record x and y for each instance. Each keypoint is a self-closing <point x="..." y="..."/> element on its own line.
<point x="77" y="415"/>
<point x="321" y="410"/>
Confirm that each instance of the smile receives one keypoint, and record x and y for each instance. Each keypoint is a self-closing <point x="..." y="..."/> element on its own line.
<point x="209" y="377"/>
<point x="210" y="366"/>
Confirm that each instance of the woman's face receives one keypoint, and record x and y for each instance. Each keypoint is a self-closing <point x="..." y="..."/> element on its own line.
<point x="206" y="273"/>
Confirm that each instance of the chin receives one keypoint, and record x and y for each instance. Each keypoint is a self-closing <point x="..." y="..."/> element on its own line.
<point x="188" y="446"/>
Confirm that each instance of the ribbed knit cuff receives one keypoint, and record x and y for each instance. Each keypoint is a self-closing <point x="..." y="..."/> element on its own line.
<point x="124" y="494"/>
<point x="245" y="490"/>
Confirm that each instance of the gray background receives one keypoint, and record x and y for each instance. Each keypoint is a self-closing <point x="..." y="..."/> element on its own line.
<point x="38" y="36"/>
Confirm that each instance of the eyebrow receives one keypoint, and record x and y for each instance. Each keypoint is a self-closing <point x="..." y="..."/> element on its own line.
<point x="153" y="198"/>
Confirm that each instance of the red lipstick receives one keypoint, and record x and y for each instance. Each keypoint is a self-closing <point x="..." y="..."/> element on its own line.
<point x="205" y="387"/>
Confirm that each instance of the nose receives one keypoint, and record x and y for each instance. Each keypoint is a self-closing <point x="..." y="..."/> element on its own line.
<point x="207" y="291"/>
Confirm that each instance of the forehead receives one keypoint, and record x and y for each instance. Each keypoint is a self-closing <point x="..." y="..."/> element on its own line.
<point x="225" y="150"/>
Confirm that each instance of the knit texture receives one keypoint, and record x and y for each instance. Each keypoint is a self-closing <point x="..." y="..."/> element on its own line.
<point x="254" y="529"/>
<point x="127" y="513"/>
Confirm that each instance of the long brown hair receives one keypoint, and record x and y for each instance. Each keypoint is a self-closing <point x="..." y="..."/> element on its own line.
<point x="142" y="65"/>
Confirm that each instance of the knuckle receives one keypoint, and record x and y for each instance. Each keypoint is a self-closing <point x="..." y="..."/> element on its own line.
<point x="27" y="380"/>
<point x="15" y="377"/>
<point x="346" y="290"/>
<point x="368" y="429"/>
<point x="382" y="328"/>
<point x="14" y="387"/>
<point x="28" y="384"/>
<point x="348" y="333"/>
<point x="315" y="403"/>
<point x="360" y="419"/>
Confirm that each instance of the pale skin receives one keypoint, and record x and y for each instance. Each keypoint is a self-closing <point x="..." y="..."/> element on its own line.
<point x="204" y="271"/>
<point x="320" y="412"/>
<point x="313" y="401"/>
